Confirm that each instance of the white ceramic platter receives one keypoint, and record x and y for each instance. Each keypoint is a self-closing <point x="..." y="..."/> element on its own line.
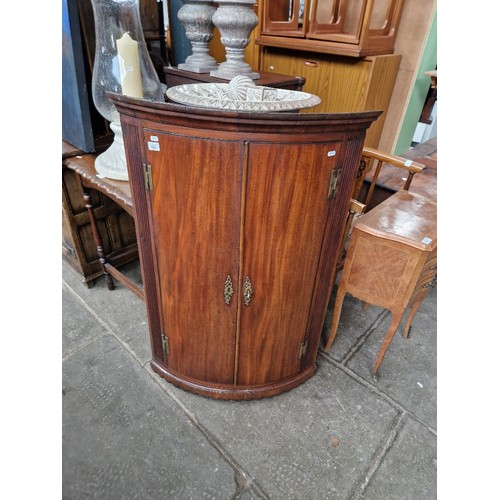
<point x="241" y="94"/>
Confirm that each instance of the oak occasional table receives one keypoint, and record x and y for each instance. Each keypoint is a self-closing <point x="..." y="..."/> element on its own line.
<point x="391" y="261"/>
<point x="119" y="193"/>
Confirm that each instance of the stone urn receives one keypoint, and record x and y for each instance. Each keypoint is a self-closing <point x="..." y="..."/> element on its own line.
<point x="196" y="17"/>
<point x="235" y="20"/>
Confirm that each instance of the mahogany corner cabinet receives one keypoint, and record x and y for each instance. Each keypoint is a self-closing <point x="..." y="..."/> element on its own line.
<point x="239" y="218"/>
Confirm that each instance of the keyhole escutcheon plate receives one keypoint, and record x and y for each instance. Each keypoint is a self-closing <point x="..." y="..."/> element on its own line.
<point x="228" y="290"/>
<point x="247" y="291"/>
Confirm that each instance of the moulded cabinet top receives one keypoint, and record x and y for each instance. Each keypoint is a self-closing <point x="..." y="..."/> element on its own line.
<point x="243" y="121"/>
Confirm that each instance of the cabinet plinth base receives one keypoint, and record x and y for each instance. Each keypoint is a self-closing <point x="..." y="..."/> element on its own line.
<point x="234" y="392"/>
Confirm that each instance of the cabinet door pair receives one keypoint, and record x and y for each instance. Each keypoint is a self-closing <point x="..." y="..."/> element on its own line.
<point x="335" y="20"/>
<point x="236" y="254"/>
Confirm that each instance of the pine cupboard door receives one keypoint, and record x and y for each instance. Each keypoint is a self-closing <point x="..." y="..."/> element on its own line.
<point x="195" y="217"/>
<point x="286" y="211"/>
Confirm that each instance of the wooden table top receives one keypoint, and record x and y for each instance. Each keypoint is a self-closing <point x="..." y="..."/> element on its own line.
<point x="267" y="78"/>
<point x="118" y="191"/>
<point x="406" y="217"/>
<point x="69" y="150"/>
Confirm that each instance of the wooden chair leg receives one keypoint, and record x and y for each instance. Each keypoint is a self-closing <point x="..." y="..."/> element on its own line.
<point x="396" y="319"/>
<point x="337" y="309"/>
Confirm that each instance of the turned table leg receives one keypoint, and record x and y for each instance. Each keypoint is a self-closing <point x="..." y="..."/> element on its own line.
<point x="97" y="238"/>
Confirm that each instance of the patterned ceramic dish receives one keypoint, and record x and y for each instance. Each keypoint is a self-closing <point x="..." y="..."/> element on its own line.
<point x="241" y="94"/>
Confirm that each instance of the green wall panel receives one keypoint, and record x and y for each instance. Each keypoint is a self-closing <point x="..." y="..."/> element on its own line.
<point x="419" y="92"/>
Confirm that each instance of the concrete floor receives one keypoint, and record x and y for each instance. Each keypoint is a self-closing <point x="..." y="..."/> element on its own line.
<point x="128" y="434"/>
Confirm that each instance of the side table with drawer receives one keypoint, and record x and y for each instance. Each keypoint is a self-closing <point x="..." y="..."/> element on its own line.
<point x="391" y="261"/>
<point x="115" y="224"/>
<point x="111" y="216"/>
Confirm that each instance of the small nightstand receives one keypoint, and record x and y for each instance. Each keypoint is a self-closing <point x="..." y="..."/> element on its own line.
<point x="391" y="261"/>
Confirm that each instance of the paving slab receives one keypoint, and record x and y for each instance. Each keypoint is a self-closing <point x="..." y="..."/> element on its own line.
<point x="121" y="310"/>
<point x="124" y="438"/>
<point x="127" y="433"/>
<point x="408" y="373"/>
<point x="314" y="442"/>
<point x="79" y="327"/>
<point x="355" y="322"/>
<point x="409" y="469"/>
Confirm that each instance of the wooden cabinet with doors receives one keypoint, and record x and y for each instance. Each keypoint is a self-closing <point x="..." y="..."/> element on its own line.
<point x="344" y="84"/>
<point x="343" y="48"/>
<point x="239" y="219"/>
<point x="355" y="28"/>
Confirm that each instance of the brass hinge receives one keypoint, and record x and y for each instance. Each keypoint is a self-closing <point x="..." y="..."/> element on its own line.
<point x="334" y="183"/>
<point x="303" y="348"/>
<point x="148" y="179"/>
<point x="164" y="345"/>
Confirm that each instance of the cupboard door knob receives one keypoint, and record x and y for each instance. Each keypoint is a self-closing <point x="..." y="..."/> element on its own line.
<point x="247" y="291"/>
<point x="228" y="290"/>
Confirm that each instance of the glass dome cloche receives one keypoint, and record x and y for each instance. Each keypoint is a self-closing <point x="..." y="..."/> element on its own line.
<point x="122" y="65"/>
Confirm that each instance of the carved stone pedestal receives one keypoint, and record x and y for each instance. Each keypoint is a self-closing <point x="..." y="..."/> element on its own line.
<point x="235" y="19"/>
<point x="196" y="17"/>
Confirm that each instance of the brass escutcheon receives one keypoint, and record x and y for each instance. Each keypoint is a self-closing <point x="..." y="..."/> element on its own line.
<point x="228" y="290"/>
<point x="247" y="291"/>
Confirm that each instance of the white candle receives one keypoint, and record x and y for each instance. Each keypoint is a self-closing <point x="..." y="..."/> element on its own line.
<point x="130" y="69"/>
